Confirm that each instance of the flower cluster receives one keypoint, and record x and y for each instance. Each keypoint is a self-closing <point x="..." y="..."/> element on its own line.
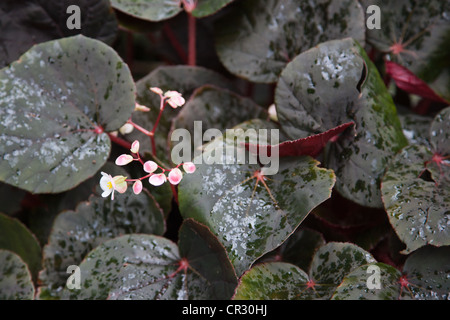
<point x="110" y="184"/>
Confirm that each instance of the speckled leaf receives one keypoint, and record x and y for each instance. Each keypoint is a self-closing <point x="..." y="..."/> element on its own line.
<point x="52" y="100"/>
<point x="273" y="281"/>
<point x="208" y="7"/>
<point x="440" y="133"/>
<point x="298" y="249"/>
<point x="151" y="10"/>
<point x="184" y="79"/>
<point x="260" y="37"/>
<point x="416" y="190"/>
<point x="15" y="237"/>
<point x="251" y="216"/>
<point x="15" y="278"/>
<point x="336" y="83"/>
<point x="427" y="271"/>
<point x="355" y="285"/>
<point x="25" y="23"/>
<point x="424" y="277"/>
<point x="151" y="267"/>
<point x="416" y="128"/>
<point x="422" y="28"/>
<point x="280" y="280"/>
<point x="75" y="233"/>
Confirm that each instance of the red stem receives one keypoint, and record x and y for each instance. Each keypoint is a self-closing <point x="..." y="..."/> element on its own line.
<point x="192" y="52"/>
<point x="175" y="43"/>
<point x="119" y="141"/>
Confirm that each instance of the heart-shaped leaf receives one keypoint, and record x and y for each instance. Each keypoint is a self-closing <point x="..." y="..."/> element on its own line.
<point x="55" y="102"/>
<point x="416" y="128"/>
<point x="208" y="7"/>
<point x="416" y="34"/>
<point x="336" y="83"/>
<point x="184" y="79"/>
<point x="15" y="278"/>
<point x="250" y="212"/>
<point x="151" y="267"/>
<point x="424" y="277"/>
<point x="16" y="238"/>
<point x="151" y="10"/>
<point x="260" y="37"/>
<point x="76" y="233"/>
<point x="280" y="280"/>
<point x="25" y="23"/>
<point x="416" y="189"/>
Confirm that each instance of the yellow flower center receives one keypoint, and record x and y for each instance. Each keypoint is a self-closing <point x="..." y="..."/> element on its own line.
<point x="109" y="185"/>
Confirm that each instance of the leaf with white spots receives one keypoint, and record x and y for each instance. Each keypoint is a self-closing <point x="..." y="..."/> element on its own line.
<point x="55" y="103"/>
<point x="15" y="278"/>
<point x="151" y="267"/>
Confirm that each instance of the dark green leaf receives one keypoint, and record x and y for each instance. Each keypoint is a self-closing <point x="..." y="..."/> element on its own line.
<point x="53" y="101"/>
<point x="336" y="83"/>
<point x="151" y="267"/>
<point x="75" y="233"/>
<point x="251" y="216"/>
<point x="151" y="10"/>
<point x="15" y="237"/>
<point x="208" y="7"/>
<point x="420" y="34"/>
<point x="260" y="37"/>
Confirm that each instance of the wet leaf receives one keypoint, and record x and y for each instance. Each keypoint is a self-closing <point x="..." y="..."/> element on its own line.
<point x="424" y="277"/>
<point x="416" y="128"/>
<point x="260" y="37"/>
<point x="416" y="189"/>
<point x="153" y="10"/>
<point x="416" y="35"/>
<point x="26" y="23"/>
<point x="251" y="214"/>
<point x="184" y="79"/>
<point x="76" y="233"/>
<point x="151" y="267"/>
<point x="280" y="280"/>
<point x="15" y="278"/>
<point x="336" y="83"/>
<point x="16" y="238"/>
<point x="53" y="101"/>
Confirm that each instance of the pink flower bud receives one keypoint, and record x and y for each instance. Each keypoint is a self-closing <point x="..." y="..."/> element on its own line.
<point x="124" y="159"/>
<point x="175" y="176"/>
<point x="137" y="187"/>
<point x="140" y="107"/>
<point x="189" y="167"/>
<point x="135" y="147"/>
<point x="150" y="166"/>
<point x="156" y="90"/>
<point x="157" y="179"/>
<point x="175" y="99"/>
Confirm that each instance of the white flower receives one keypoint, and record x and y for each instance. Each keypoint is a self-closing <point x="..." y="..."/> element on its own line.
<point x="189" y="167"/>
<point x="175" y="99"/>
<point x="157" y="179"/>
<point x="109" y="184"/>
<point x="156" y="90"/>
<point x="126" y="128"/>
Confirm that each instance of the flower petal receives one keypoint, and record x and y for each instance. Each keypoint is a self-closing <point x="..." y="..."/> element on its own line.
<point x="150" y="166"/>
<point x="137" y="187"/>
<point x="106" y="193"/>
<point x="126" y="128"/>
<point x="189" y="167"/>
<point x="156" y="90"/>
<point x="135" y="147"/>
<point x="124" y="159"/>
<point x="157" y="179"/>
<point x="175" y="176"/>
